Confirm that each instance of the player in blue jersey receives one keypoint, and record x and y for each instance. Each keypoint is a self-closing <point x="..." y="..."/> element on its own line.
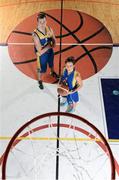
<point x="74" y="82"/>
<point x="44" y="41"/>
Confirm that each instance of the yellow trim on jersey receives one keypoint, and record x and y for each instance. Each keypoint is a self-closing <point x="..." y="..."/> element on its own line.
<point x="38" y="62"/>
<point x="74" y="78"/>
<point x="41" y="35"/>
<point x="64" y="70"/>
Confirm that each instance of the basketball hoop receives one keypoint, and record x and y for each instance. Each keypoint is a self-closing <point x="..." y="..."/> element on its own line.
<point x="32" y="150"/>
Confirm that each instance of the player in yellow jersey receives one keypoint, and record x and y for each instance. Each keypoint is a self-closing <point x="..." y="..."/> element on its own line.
<point x="44" y="42"/>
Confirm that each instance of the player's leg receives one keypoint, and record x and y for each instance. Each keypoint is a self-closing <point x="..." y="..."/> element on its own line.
<point x="72" y="100"/>
<point x="51" y="63"/>
<point x="63" y="101"/>
<point x="39" y="79"/>
<point x="70" y="103"/>
<point x="39" y="72"/>
<point x="42" y="66"/>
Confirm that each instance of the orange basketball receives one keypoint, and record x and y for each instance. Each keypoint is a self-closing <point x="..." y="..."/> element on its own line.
<point x="77" y="28"/>
<point x="63" y="90"/>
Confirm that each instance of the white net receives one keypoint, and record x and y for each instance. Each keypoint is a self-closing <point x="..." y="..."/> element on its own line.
<point x="82" y="153"/>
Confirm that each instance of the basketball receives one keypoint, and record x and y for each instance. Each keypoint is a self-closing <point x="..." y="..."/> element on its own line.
<point x="63" y="90"/>
<point x="77" y="28"/>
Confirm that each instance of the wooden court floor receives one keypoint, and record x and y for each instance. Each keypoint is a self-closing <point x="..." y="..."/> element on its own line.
<point x="12" y="12"/>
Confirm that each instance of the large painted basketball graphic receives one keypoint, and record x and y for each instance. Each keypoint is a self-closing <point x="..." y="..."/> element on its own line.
<point x="78" y="28"/>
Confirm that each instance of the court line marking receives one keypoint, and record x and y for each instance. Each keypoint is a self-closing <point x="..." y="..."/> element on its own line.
<point x="65" y="44"/>
<point x="54" y="138"/>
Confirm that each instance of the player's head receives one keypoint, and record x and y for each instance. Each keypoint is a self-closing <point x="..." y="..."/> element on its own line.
<point x="69" y="63"/>
<point x="41" y="19"/>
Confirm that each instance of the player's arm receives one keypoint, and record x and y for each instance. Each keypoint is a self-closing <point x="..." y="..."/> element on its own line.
<point x="37" y="43"/>
<point x="62" y="78"/>
<point x="53" y="38"/>
<point x="79" y="83"/>
<point x="38" y="46"/>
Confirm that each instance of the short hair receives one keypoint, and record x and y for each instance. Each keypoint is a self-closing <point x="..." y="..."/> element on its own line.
<point x="41" y="15"/>
<point x="70" y="59"/>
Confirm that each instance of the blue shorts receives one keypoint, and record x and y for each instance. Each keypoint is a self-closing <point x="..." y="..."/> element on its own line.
<point x="44" y="59"/>
<point x="72" y="98"/>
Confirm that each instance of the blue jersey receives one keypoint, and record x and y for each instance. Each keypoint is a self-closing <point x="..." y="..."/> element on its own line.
<point x="44" y="39"/>
<point x="70" y="79"/>
<point x="48" y="56"/>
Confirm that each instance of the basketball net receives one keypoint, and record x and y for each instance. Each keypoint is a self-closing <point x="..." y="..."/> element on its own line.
<point x="83" y="151"/>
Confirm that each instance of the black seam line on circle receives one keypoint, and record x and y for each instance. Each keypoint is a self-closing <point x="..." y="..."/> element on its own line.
<point x="33" y="60"/>
<point x="82" y="41"/>
<point x="21" y="32"/>
<point x="74" y="31"/>
<point x="65" y="49"/>
<point x="94" y="49"/>
<point x="79" y="41"/>
<point x="64" y="35"/>
<point x="24" y="62"/>
<point x="70" y="32"/>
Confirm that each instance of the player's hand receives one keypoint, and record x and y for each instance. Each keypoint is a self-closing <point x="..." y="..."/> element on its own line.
<point x="70" y="92"/>
<point x="52" y="43"/>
